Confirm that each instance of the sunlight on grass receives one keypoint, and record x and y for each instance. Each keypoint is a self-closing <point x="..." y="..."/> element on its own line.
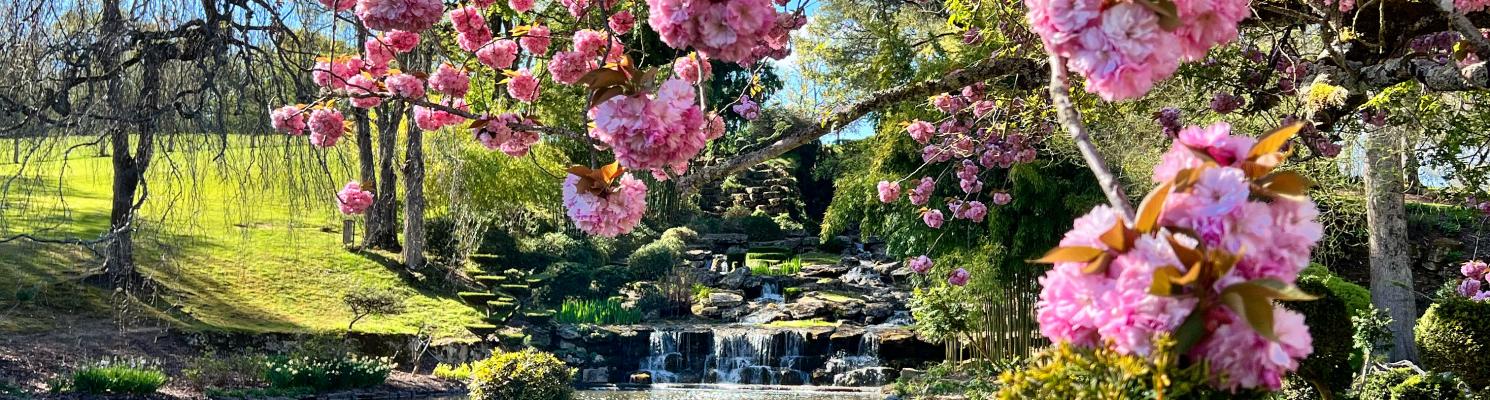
<point x="250" y="241"/>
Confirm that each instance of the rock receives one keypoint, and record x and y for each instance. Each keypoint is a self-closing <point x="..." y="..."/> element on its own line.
<point x="641" y="378"/>
<point x="878" y="311"/>
<point x="901" y="274"/>
<point x="696" y="255"/>
<point x="885" y="268"/>
<point x="900" y="347"/>
<point x="768" y="313"/>
<point x="808" y="308"/>
<point x="823" y="270"/>
<point x="910" y="373"/>
<point x="595" y="375"/>
<point x="705" y="312"/>
<point x="569" y="332"/>
<point x="872" y="376"/>
<point x="736" y="279"/>
<point x="724" y="299"/>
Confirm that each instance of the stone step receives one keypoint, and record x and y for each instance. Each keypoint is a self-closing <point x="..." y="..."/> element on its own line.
<point x="476" y="298"/>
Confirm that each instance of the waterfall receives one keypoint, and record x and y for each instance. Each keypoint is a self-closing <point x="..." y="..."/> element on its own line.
<point x="757" y="357"/>
<point x="662" y="348"/>
<point x="771" y="293"/>
<point x="866" y="356"/>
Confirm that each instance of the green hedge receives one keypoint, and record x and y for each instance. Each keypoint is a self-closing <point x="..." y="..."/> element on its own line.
<point x="657" y="258"/>
<point x="1330" y="326"/>
<point x="1454" y="336"/>
<point x="1406" y="384"/>
<point x="521" y="375"/>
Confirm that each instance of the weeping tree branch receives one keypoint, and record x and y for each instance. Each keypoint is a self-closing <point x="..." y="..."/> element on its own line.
<point x="1070" y="119"/>
<point x="1020" y="73"/>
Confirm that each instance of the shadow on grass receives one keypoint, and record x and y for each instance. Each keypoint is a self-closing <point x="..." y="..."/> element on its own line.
<point x="428" y="285"/>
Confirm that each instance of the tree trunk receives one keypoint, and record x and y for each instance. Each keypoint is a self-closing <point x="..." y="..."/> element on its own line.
<point x="381" y="232"/>
<point x="119" y="254"/>
<point x="1386" y="217"/>
<point x="15" y="151"/>
<point x="1414" y="183"/>
<point x="414" y="198"/>
<point x="367" y="171"/>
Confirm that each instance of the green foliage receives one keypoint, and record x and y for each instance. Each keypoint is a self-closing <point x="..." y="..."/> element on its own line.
<point x="834" y="244"/>
<point x="657" y="258"/>
<point x="1355" y="297"/>
<point x="1454" y="336"/>
<point x="940" y="312"/>
<point x="610" y="278"/>
<point x="566" y="280"/>
<point x="758" y="226"/>
<point x="366" y="301"/>
<point x="1065" y="372"/>
<point x="327" y="373"/>
<point x="973" y="379"/>
<point x="258" y="393"/>
<point x="118" y="379"/>
<point x="681" y="234"/>
<point x="1329" y="324"/>
<point x="1406" y="384"/>
<point x="522" y="375"/>
<point x="459" y="372"/>
<point x="767" y="267"/>
<point x="601" y="312"/>
<point x="555" y="247"/>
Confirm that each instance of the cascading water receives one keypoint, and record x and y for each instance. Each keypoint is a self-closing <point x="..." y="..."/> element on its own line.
<point x="866" y="356"/>
<point x="771" y="293"/>
<point x="756" y="357"/>
<point x="662" y="347"/>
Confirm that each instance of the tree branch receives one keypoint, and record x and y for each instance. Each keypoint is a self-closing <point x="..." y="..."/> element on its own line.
<point x="1433" y="75"/>
<point x="1022" y="74"/>
<point x="1070" y="118"/>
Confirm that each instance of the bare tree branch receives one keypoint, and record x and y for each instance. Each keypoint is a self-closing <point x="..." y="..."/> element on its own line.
<point x="1020" y="73"/>
<point x="1070" y="119"/>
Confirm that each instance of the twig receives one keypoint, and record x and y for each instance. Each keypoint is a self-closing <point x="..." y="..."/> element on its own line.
<point x="1070" y="119"/>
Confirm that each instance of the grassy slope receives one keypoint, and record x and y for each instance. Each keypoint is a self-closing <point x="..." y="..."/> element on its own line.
<point x="244" y="243"/>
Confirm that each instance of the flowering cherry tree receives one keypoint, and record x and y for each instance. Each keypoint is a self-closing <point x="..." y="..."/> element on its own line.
<point x="651" y="120"/>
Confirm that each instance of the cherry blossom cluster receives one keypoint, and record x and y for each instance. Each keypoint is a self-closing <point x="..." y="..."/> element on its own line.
<point x="739" y="31"/>
<point x="352" y="199"/>
<point x="1261" y="244"/>
<point x="612" y="212"/>
<point x="1473" y="285"/>
<point x="655" y="132"/>
<point x="649" y="127"/>
<point x="1123" y="48"/>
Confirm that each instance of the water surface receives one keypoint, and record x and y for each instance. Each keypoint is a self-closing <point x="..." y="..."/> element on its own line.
<point x="724" y="392"/>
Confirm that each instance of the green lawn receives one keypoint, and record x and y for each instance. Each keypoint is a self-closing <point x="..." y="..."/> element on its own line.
<point x="248" y="241"/>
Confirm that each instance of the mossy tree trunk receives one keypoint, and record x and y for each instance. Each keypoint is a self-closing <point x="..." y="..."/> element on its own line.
<point x="414" y="197"/>
<point x="381" y="231"/>
<point x="1386" y="218"/>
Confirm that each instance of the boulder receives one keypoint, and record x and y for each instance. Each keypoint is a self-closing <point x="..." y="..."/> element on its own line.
<point x="724" y="299"/>
<point x="900" y="347"/>
<point x="737" y="279"/>
<point x="808" y="308"/>
<point x="872" y="376"/>
<point x="823" y="270"/>
<point x="885" y="268"/>
<point x="878" y="311"/>
<point x="595" y="375"/>
<point x="910" y="373"/>
<point x="696" y="255"/>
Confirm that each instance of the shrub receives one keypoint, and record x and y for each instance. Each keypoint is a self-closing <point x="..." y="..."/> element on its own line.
<point x="558" y="247"/>
<point x="439" y="235"/>
<point x="1355" y="297"/>
<point x="758" y="226"/>
<point x="681" y="234"/>
<point x="1065" y="372"/>
<point x="1406" y="384"/>
<point x="1378" y="386"/>
<point x="602" y="312"/>
<point x="1330" y="325"/>
<point x="522" y="375"/>
<point x="459" y="372"/>
<point x="118" y="378"/>
<point x="1454" y="336"/>
<point x="610" y="278"/>
<point x="834" y="245"/>
<point x="325" y="374"/>
<point x="655" y="259"/>
<point x="565" y="280"/>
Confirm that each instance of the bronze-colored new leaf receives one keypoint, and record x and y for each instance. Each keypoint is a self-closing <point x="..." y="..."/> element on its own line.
<point x="596" y="181"/>
<point x="1098" y="265"/>
<point x="1162" y="283"/>
<point x="1273" y="142"/>
<point x="1285" y="184"/>
<point x="1118" y="238"/>
<point x="1257" y="310"/>
<point x="1070" y="254"/>
<point x="1168" y="12"/>
<point x="1151" y="208"/>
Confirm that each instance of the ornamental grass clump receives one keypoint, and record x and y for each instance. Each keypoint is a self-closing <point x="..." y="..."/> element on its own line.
<point x="118" y="378"/>
<point x="1223" y="236"/>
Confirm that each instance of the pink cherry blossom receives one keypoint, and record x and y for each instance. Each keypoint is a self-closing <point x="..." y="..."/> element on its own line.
<point x="405" y="86"/>
<point x="352" y="199"/>
<point x="326" y="127"/>
<point x="1468" y="288"/>
<point x="521" y="6"/>
<point x="377" y="55"/>
<point x="740" y="31"/>
<point x="364" y="92"/>
<point x="432" y="119"/>
<point x="523" y="86"/>
<point x="335" y="73"/>
<point x="613" y="213"/>
<point x="450" y="81"/>
<point x="568" y="66"/>
<point x="948" y="103"/>
<point x="590" y="42"/>
<point x="403" y="15"/>
<point x="1474" y="269"/>
<point x="622" y="22"/>
<point x="1241" y="358"/>
<point x="288" y="119"/>
<point x="747" y="108"/>
<point x="658" y="132"/>
<point x="959" y="277"/>
<point x="576" y="8"/>
<point x="933" y="218"/>
<point x="1002" y="198"/>
<point x="499" y="135"/>
<point x="402" y="41"/>
<point x="921" y="194"/>
<point x="921" y="131"/>
<point x="693" y="68"/>
<point x="537" y="39"/>
<point x="470" y="27"/>
<point x="498" y="54"/>
<point x="889" y="191"/>
<point x="921" y="264"/>
<point x="339" y="5"/>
